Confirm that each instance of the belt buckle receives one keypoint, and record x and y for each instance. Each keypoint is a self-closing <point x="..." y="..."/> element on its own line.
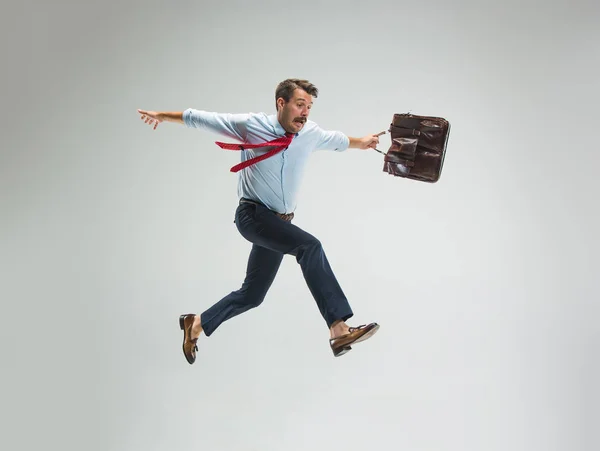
<point x="286" y="216"/>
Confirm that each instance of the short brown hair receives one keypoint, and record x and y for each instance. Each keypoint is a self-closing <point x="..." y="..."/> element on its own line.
<point x="287" y="87"/>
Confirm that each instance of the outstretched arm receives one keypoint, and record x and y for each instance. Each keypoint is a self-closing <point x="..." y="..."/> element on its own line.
<point x="156" y="117"/>
<point x="366" y="142"/>
<point x="226" y="124"/>
<point x="338" y="141"/>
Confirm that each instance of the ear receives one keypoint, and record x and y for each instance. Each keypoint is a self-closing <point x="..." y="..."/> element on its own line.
<point x="280" y="102"/>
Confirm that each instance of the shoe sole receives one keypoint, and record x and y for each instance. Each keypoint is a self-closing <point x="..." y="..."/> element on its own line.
<point x="367" y="335"/>
<point x="342" y="351"/>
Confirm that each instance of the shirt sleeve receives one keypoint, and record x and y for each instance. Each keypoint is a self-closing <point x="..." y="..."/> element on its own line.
<point x="231" y="125"/>
<point x="332" y="140"/>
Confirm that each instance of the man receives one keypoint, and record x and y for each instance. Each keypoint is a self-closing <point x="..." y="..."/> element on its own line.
<point x="274" y="152"/>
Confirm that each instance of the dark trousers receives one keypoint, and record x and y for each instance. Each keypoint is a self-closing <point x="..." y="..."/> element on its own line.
<point x="271" y="239"/>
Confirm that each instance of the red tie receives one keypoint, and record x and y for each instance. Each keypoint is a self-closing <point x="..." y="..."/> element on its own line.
<point x="280" y="143"/>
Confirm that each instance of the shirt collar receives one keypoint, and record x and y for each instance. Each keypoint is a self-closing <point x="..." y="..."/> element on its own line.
<point x="278" y="129"/>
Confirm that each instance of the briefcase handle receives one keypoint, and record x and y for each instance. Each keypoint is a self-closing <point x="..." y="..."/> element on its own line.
<point x="379" y="134"/>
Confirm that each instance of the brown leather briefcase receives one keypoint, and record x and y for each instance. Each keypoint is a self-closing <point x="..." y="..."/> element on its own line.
<point x="418" y="147"/>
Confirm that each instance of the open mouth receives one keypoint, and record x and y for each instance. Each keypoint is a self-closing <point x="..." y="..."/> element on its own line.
<point x="299" y="121"/>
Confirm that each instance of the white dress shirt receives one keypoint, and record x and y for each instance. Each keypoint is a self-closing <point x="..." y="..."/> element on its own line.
<point x="274" y="181"/>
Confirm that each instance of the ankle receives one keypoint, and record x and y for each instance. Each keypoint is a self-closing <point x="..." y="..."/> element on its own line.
<point x="197" y="327"/>
<point x="338" y="328"/>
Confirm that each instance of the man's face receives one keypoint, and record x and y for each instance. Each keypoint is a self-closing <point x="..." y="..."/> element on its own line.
<point x="293" y="114"/>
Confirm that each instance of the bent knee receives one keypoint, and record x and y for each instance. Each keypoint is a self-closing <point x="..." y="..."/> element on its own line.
<point x="253" y="299"/>
<point x="313" y="242"/>
<point x="256" y="301"/>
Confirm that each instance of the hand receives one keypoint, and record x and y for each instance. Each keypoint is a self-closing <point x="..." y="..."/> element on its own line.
<point x="151" y="117"/>
<point x="370" y="141"/>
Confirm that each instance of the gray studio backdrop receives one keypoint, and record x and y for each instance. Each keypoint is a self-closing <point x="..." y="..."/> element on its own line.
<point x="485" y="284"/>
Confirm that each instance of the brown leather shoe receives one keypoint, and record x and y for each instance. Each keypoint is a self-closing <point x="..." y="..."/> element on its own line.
<point x="189" y="345"/>
<point x="342" y="344"/>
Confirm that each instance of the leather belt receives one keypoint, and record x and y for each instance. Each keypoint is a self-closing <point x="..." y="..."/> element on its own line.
<point x="285" y="216"/>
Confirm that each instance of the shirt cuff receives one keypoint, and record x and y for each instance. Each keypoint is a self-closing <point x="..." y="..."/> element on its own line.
<point x="344" y="143"/>
<point x="191" y="117"/>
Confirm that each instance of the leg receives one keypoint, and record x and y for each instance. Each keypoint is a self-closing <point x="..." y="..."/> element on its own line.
<point x="263" y="265"/>
<point x="263" y="228"/>
<point x="272" y="238"/>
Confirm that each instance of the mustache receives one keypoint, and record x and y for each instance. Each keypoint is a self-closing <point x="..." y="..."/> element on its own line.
<point x="300" y="119"/>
